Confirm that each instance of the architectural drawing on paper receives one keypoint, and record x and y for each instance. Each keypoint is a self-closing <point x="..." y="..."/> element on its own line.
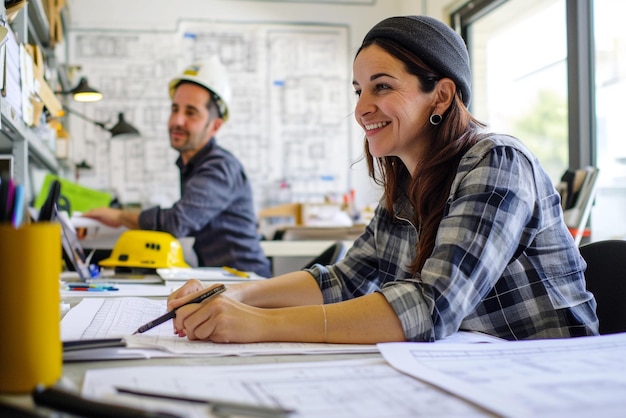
<point x="290" y="114"/>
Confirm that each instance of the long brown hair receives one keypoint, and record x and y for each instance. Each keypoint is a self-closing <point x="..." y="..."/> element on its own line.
<point x="428" y="187"/>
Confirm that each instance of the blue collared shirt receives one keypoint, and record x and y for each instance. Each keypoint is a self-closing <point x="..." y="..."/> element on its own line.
<point x="216" y="208"/>
<point x="504" y="262"/>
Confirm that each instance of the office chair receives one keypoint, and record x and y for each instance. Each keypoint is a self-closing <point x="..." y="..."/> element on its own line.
<point x="606" y="279"/>
<point x="330" y="255"/>
<point x="578" y="190"/>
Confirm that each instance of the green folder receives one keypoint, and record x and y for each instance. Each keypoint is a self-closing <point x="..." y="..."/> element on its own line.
<point x="73" y="196"/>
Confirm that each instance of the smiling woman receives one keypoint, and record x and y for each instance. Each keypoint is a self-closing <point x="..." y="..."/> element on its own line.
<point x="396" y="115"/>
<point x="466" y="237"/>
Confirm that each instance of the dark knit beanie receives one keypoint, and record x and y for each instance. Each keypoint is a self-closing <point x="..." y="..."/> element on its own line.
<point x="432" y="41"/>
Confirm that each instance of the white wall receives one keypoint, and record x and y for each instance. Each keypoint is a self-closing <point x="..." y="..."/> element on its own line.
<point x="165" y="14"/>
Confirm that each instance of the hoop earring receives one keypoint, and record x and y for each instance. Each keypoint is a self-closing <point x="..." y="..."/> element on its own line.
<point x="435" y="119"/>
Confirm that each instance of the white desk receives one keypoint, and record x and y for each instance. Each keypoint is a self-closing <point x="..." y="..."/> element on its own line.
<point x="560" y="386"/>
<point x="308" y="249"/>
<point x="288" y="256"/>
<point x="73" y="373"/>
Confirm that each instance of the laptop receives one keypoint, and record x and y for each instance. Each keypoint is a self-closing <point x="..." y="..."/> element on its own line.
<point x="73" y="253"/>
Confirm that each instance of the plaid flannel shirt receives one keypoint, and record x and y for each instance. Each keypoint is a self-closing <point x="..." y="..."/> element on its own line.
<point x="504" y="262"/>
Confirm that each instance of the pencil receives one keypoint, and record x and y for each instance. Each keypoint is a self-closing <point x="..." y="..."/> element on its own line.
<point x="236" y="272"/>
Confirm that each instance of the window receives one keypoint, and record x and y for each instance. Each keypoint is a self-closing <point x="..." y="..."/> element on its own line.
<point x="609" y="213"/>
<point x="518" y="52"/>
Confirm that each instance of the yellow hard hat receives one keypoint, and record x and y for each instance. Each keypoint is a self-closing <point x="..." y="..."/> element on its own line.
<point x="141" y="249"/>
<point x="213" y="76"/>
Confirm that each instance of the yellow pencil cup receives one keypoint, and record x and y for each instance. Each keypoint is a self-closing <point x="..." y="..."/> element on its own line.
<point x="30" y="264"/>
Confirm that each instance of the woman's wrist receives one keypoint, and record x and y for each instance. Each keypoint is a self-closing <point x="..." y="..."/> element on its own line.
<point x="237" y="291"/>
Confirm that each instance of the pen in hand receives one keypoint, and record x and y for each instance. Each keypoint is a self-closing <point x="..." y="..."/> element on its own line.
<point x="171" y="314"/>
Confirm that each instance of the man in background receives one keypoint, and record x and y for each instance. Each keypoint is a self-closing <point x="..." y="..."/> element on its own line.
<point x="215" y="206"/>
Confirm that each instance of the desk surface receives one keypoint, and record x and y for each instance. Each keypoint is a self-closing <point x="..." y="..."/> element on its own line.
<point x="74" y="372"/>
<point x="294" y="248"/>
<point x="309" y="248"/>
<point x="321" y="388"/>
<point x="519" y="379"/>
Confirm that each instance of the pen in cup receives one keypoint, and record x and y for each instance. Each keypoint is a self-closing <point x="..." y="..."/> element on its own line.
<point x="171" y="314"/>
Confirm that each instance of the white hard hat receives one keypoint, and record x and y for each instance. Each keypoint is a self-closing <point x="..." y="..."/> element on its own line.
<point x="212" y="75"/>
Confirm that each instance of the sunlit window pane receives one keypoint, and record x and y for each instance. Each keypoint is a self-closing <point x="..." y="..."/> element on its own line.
<point x="609" y="214"/>
<point x="519" y="61"/>
<point x="610" y="44"/>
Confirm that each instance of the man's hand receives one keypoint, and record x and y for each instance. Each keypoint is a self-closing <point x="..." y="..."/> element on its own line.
<point x="114" y="217"/>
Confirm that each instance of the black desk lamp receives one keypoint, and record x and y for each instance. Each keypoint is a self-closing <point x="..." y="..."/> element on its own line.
<point x="120" y="128"/>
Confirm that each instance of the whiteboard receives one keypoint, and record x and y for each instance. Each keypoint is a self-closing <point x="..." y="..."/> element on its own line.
<point x="290" y="116"/>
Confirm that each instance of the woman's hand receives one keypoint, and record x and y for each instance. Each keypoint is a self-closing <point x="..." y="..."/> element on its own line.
<point x="178" y="297"/>
<point x="278" y="309"/>
<point x="195" y="287"/>
<point x="223" y="319"/>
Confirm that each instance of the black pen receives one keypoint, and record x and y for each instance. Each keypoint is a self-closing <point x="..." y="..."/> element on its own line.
<point x="74" y="345"/>
<point x="218" y="407"/>
<point x="171" y="314"/>
<point x="63" y="400"/>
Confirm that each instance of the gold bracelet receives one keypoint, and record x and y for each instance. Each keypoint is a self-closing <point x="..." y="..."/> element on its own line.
<point x="325" y="322"/>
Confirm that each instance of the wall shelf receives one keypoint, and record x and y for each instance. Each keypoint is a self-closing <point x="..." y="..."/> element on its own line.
<point x="14" y="130"/>
<point x="28" y="146"/>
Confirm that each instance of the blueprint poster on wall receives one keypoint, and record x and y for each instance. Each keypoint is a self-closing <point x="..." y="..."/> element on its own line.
<point x="290" y="115"/>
